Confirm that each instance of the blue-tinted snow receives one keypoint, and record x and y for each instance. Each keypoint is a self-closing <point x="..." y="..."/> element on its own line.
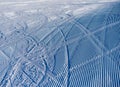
<point x="59" y="44"/>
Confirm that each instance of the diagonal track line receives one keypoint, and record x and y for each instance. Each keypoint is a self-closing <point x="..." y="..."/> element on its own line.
<point x="92" y="38"/>
<point x="55" y="48"/>
<point x="92" y="59"/>
<point x="84" y="31"/>
<point x="95" y="58"/>
<point x="103" y="27"/>
<point x="100" y="29"/>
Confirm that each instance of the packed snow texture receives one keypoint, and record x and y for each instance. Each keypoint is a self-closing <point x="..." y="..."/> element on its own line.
<point x="57" y="43"/>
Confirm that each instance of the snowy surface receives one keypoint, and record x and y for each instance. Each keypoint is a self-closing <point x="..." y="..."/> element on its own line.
<point x="59" y="43"/>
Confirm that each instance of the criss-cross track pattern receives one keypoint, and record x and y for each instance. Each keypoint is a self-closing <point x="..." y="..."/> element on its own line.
<point x="80" y="51"/>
